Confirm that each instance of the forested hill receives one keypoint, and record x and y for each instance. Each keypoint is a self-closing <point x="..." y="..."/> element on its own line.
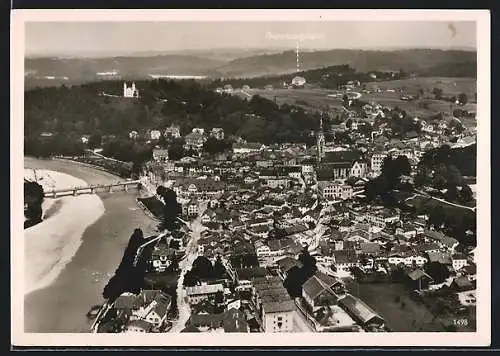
<point x="326" y="77"/>
<point x="430" y="61"/>
<point x="79" y="110"/>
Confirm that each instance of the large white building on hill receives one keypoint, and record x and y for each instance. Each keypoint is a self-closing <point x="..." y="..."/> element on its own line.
<point x="130" y="92"/>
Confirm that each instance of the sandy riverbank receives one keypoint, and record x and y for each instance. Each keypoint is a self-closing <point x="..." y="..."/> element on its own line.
<point x="62" y="305"/>
<point x="51" y="244"/>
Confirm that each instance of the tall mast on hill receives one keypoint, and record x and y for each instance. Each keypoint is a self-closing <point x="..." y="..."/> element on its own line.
<point x="297" y="55"/>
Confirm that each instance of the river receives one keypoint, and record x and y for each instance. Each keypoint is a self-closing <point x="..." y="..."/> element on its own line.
<point x="62" y="306"/>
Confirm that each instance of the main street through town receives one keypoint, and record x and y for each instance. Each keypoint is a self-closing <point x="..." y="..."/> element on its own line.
<point x="185" y="265"/>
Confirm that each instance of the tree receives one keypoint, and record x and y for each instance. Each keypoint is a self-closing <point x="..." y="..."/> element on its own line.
<point x="345" y="100"/>
<point x="462" y="99"/>
<point x="33" y="199"/>
<point x="172" y="209"/>
<point x="219" y="297"/>
<point x="202" y="267"/>
<point x="438" y="93"/>
<point x="176" y="151"/>
<point x="127" y="277"/>
<point x="190" y="279"/>
<point x="308" y="262"/>
<point x="219" y="269"/>
<point x="162" y="142"/>
<point x="436" y="216"/>
<point x="95" y="141"/>
<point x="466" y="194"/>
<point x="213" y="146"/>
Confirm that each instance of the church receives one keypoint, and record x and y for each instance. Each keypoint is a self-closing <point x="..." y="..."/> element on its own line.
<point x="333" y="165"/>
<point x="130" y="92"/>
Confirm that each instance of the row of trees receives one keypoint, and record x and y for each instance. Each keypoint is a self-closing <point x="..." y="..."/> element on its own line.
<point x="127" y="277"/>
<point x="438" y="95"/>
<point x="58" y="144"/>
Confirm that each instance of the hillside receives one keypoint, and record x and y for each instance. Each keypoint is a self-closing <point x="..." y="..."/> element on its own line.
<point x="84" y="69"/>
<point x="418" y="60"/>
<point x="244" y="64"/>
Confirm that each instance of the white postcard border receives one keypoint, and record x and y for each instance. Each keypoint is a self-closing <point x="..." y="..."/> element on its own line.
<point x="479" y="338"/>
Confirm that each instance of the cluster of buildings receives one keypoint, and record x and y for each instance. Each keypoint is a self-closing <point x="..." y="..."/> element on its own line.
<point x="263" y="206"/>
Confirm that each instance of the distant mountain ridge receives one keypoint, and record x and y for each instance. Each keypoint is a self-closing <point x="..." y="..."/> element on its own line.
<point x="360" y="60"/>
<point x="222" y="63"/>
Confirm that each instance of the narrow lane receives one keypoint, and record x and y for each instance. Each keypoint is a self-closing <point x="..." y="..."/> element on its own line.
<point x="185" y="265"/>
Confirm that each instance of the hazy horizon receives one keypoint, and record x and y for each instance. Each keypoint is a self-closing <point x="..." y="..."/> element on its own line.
<point x="108" y="39"/>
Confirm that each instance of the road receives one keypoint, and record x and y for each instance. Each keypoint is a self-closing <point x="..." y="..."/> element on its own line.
<point x="185" y="264"/>
<point x="300" y="324"/>
<point x="425" y="195"/>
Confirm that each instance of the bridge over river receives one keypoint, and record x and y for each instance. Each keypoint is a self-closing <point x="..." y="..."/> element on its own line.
<point x="95" y="188"/>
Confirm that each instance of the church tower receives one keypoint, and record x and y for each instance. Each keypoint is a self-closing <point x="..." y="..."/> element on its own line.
<point x="320" y="141"/>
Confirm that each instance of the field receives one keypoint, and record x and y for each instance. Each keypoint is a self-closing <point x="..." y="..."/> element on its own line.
<point x="315" y="99"/>
<point x="400" y="312"/>
<point x="450" y="86"/>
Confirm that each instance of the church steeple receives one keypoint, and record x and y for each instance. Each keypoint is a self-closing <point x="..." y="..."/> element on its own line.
<point x="320" y="141"/>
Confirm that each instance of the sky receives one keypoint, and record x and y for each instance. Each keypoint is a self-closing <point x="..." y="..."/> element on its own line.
<point x="74" y="38"/>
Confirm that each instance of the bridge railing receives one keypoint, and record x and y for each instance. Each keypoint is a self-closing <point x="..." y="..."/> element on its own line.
<point x="93" y="186"/>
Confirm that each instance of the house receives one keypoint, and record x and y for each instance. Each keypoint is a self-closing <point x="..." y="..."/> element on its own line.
<point x="197" y="294"/>
<point x="322" y="290"/>
<point x="345" y="260"/>
<point x="149" y="306"/>
<point x="441" y="239"/>
<point x="377" y="161"/>
<point x="245" y="276"/>
<point x="217" y="133"/>
<point x="208" y="216"/>
<point x="133" y="135"/>
<point x="138" y="326"/>
<point x="406" y="231"/>
<point x="161" y="257"/>
<point x="335" y="190"/>
<point x="206" y="321"/>
<point x="418" y="279"/>
<point x="358" y="235"/>
<point x="470" y="271"/>
<point x="360" y="312"/>
<point x="160" y="155"/>
<point x="198" y="130"/>
<point x="194" y="141"/>
<point x="261" y="249"/>
<point x="359" y="169"/>
<point x="172" y="131"/>
<point x="286" y="265"/>
<point x="307" y="166"/>
<point x="274" y="306"/>
<point x="234" y="321"/>
<point x="458" y="261"/>
<point x="203" y="189"/>
<point x="462" y="284"/>
<point x="190" y="208"/>
<point x="382" y="218"/>
<point x="155" y="134"/>
<point x="241" y="148"/>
